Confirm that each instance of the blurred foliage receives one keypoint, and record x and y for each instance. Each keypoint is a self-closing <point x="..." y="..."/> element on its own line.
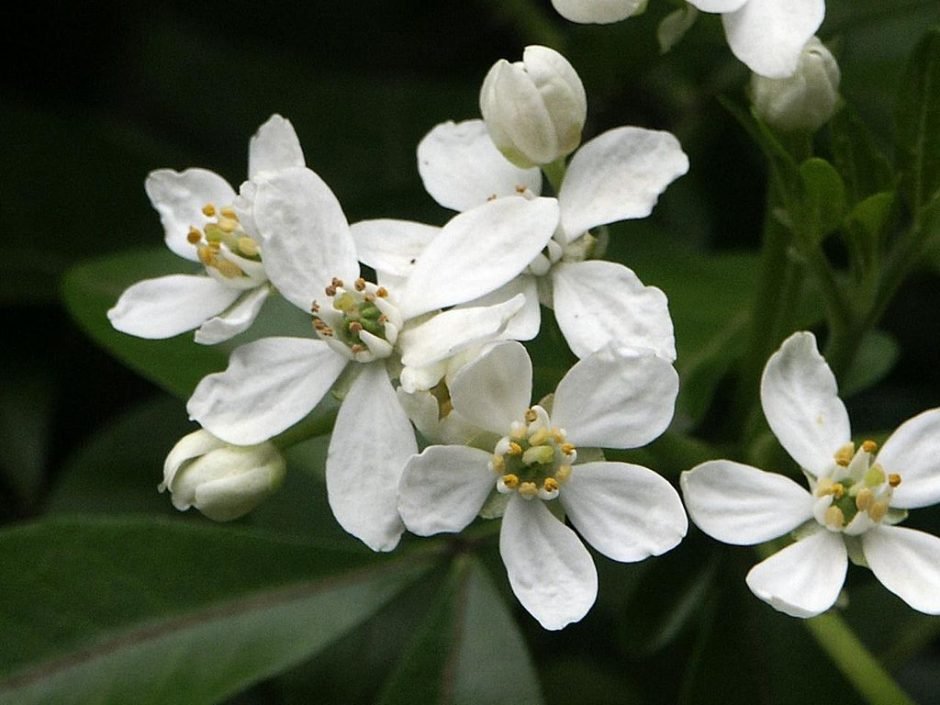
<point x="283" y="607"/>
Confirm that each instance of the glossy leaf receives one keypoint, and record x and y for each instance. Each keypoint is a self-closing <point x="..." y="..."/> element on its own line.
<point x="468" y="651"/>
<point x="149" y="611"/>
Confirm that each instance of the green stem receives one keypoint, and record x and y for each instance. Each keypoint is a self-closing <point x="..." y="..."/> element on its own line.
<point x="855" y="661"/>
<point x="555" y="173"/>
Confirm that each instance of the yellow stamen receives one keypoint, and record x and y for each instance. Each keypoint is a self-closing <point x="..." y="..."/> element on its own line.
<point x="869" y="446"/>
<point x="208" y="210"/>
<point x="499" y="463"/>
<point x="539" y="437"/>
<point x="193" y="236"/>
<point x="511" y="481"/>
<point x="227" y="224"/>
<point x="248" y="247"/>
<point x="514" y="448"/>
<point x="878" y="510"/>
<point x="530" y="415"/>
<point x="894" y="479"/>
<point x="229" y="212"/>
<point x="864" y="498"/>
<point x="550" y="484"/>
<point x="228" y="269"/>
<point x="843" y="456"/>
<point x="563" y="473"/>
<point x="205" y="254"/>
<point x="835" y="518"/>
<point x="360" y="284"/>
<point x="528" y="490"/>
<point x="568" y="448"/>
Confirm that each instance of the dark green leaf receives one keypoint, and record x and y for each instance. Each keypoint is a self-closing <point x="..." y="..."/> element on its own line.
<point x="468" y="651"/>
<point x="152" y="611"/>
<point x="866" y="226"/>
<point x="176" y="364"/>
<point x="877" y="355"/>
<point x="862" y="165"/>
<point x="918" y="123"/>
<point x="822" y="202"/>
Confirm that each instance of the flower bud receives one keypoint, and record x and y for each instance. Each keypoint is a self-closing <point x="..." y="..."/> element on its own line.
<point x="804" y="101"/>
<point x="535" y="108"/>
<point x="221" y="480"/>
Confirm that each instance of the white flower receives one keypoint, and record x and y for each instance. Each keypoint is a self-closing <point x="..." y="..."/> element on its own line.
<point x="767" y="35"/>
<point x="804" y="101"/>
<point x="221" y="480"/>
<point x="615" y="176"/>
<point x="855" y="496"/>
<point x="361" y="326"/>
<point x="537" y="456"/>
<point x="204" y="221"/>
<point x="534" y="108"/>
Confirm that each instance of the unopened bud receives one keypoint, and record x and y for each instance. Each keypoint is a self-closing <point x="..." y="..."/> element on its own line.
<point x="804" y="101"/>
<point x="535" y="108"/>
<point x="221" y="480"/>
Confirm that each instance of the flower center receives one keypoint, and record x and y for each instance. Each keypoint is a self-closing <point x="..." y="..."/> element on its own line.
<point x="578" y="250"/>
<point x="856" y="495"/>
<point x="361" y="323"/>
<point x="228" y="253"/>
<point x="535" y="459"/>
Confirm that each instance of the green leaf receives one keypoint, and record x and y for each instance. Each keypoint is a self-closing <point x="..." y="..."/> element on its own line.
<point x="863" y="166"/>
<point x="876" y="357"/>
<point x="822" y="198"/>
<point x="149" y="611"/>
<point x="918" y="123"/>
<point x="468" y="651"/>
<point x="176" y="364"/>
<point x="866" y="225"/>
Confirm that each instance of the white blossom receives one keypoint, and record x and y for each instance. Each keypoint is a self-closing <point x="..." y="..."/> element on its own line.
<point x="541" y="465"/>
<point x="855" y="496"/>
<point x="205" y="222"/>
<point x="616" y="176"/>
<point x="364" y="331"/>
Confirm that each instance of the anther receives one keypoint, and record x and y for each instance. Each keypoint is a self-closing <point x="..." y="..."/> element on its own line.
<point x="530" y="415"/>
<point x="528" y="490"/>
<point x="539" y="437"/>
<point x="360" y="284"/>
<point x="563" y="473"/>
<point x="336" y="282"/>
<point x="248" y="247"/>
<point x="381" y="292"/>
<point x="193" y="236"/>
<point x="227" y="224"/>
<point x="863" y="499"/>
<point x="330" y="291"/>
<point x="835" y="518"/>
<point x="878" y="510"/>
<point x="568" y="448"/>
<point x="314" y="307"/>
<point x="894" y="479"/>
<point x="514" y="448"/>
<point x="229" y="212"/>
<point x="869" y="446"/>
<point x="355" y="327"/>
<point x="498" y="463"/>
<point x="208" y="210"/>
<point x="510" y="481"/>
<point x="550" y="484"/>
<point x="228" y="269"/>
<point x="843" y="456"/>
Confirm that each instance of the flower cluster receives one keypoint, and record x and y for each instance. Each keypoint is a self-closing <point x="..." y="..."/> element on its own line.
<point x="415" y="330"/>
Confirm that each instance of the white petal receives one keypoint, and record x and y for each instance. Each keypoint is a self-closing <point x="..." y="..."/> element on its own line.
<point x="804" y="579"/>
<point x="495" y="389"/>
<point x="627" y="512"/>
<point x="234" y="320"/>
<point x="618" y="175"/>
<point x="306" y="240"/>
<point x="549" y="569"/>
<point x="372" y="440"/>
<point x="599" y="303"/>
<point x="717" y="5"/>
<point x="526" y="322"/>
<point x="621" y="399"/>
<point x="274" y="146"/>
<point x="449" y="332"/>
<point x="913" y="452"/>
<point x="907" y="562"/>
<point x="269" y="385"/>
<point x="391" y="247"/>
<point x="478" y="251"/>
<point x="170" y="305"/>
<point x="597" y="11"/>
<point x="179" y="197"/>
<point x="444" y="488"/>
<point x="461" y="167"/>
<point x="768" y="35"/>
<point x="741" y="505"/>
<point x="800" y="399"/>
